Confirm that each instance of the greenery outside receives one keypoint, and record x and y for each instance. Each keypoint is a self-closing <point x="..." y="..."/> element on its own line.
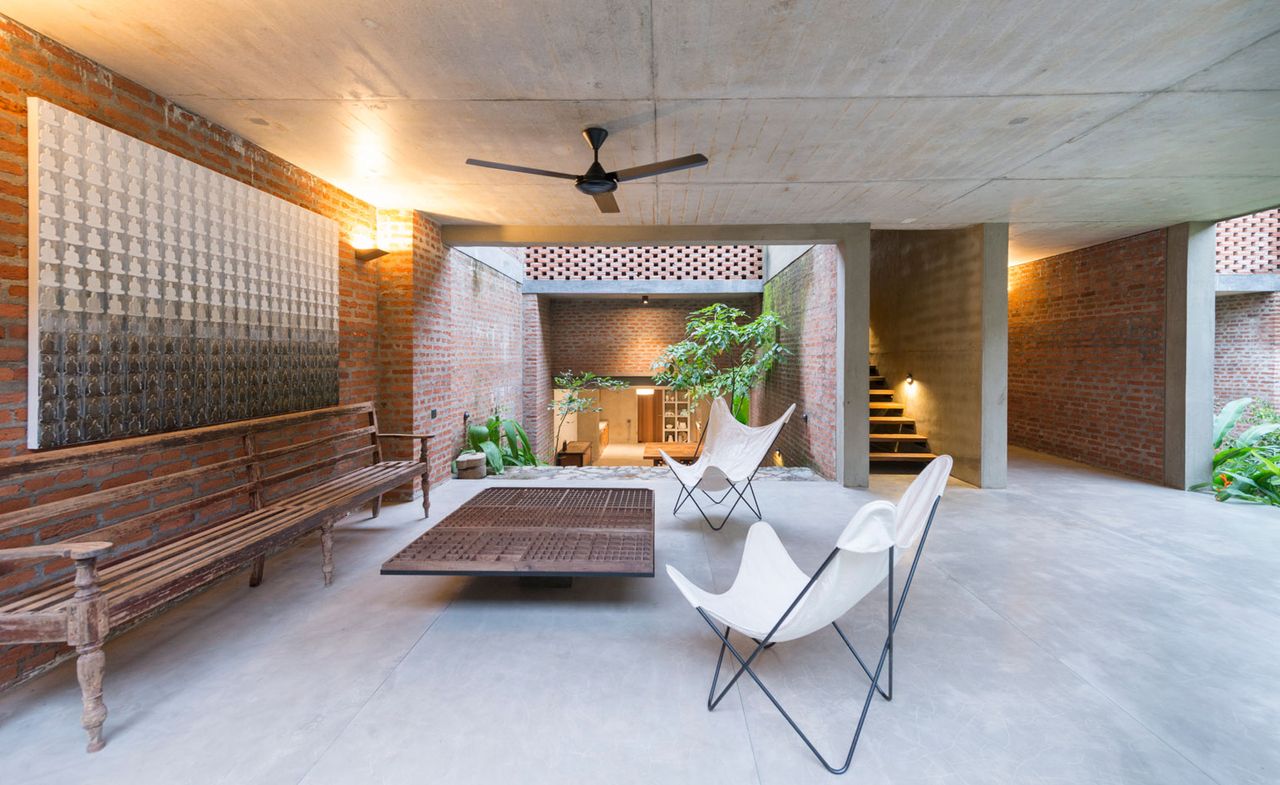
<point x="1246" y="466"/>
<point x="723" y="354"/>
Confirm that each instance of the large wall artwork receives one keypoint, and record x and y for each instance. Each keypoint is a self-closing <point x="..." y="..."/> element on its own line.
<point x="165" y="295"/>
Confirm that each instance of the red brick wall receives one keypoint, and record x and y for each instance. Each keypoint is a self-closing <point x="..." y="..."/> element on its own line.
<point x="538" y="420"/>
<point x="804" y="295"/>
<point x="1086" y="355"/>
<point x="1247" y="348"/>
<point x="484" y="359"/>
<point x="644" y="263"/>
<point x="1249" y="244"/>
<point x="31" y="64"/>
<point x="620" y="337"/>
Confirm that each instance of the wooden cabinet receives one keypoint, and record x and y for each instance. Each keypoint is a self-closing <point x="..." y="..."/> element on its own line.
<point x="575" y="454"/>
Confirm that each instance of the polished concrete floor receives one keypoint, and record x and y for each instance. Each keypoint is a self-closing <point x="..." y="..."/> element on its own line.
<point x="1076" y="628"/>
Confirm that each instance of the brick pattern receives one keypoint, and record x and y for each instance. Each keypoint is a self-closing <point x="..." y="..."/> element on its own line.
<point x="1249" y="244"/>
<point x="619" y="337"/>
<point x="646" y="263"/>
<point x="538" y="419"/>
<point x="804" y="295"/>
<point x="1086" y="355"/>
<point x="31" y="64"/>
<point x="1247" y="348"/>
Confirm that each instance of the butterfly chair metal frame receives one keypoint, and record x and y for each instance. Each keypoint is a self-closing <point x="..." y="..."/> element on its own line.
<point x="886" y="651"/>
<point x="740" y="488"/>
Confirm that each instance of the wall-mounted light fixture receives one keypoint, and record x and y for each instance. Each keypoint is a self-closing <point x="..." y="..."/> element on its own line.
<point x="644" y="391"/>
<point x="366" y="249"/>
<point x="644" y="300"/>
<point x="911" y="379"/>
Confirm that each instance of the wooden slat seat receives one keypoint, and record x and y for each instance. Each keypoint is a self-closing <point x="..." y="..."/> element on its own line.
<point x="248" y="489"/>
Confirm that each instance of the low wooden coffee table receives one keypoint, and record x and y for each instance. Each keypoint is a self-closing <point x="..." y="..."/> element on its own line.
<point x="538" y="532"/>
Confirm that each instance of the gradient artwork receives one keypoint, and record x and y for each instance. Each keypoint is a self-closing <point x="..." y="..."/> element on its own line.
<point x="165" y="295"/>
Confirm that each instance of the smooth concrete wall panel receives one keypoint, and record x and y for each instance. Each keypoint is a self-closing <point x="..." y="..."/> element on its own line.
<point x="928" y="319"/>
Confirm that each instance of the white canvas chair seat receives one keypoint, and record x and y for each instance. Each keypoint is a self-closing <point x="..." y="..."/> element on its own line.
<point x="773" y="601"/>
<point x="731" y="455"/>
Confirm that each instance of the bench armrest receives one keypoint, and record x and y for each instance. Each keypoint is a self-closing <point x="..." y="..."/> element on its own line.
<point x="405" y="435"/>
<point x="68" y="550"/>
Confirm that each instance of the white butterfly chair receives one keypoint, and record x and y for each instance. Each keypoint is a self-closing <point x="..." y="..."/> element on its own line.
<point x="773" y="601"/>
<point x="731" y="456"/>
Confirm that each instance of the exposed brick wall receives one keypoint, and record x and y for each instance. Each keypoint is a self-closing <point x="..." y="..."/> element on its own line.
<point x="620" y="337"/>
<point x="538" y="420"/>
<point x="484" y="358"/>
<point x="1086" y="355"/>
<point x="31" y="64"/>
<point x="1249" y="244"/>
<point x="1247" y="348"/>
<point x="644" y="263"/>
<point x="804" y="295"/>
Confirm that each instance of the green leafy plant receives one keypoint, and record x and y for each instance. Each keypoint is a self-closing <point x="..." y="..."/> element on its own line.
<point x="1246" y="467"/>
<point x="577" y="397"/>
<point x="723" y="354"/>
<point x="503" y="441"/>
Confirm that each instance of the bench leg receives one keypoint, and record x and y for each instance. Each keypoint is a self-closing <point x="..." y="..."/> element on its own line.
<point x="326" y="552"/>
<point x="377" y="506"/>
<point x="255" y="574"/>
<point x="90" y="665"/>
<point x="426" y="498"/>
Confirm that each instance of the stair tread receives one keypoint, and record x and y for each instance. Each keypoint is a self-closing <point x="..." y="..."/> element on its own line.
<point x="899" y="437"/>
<point x="879" y="420"/>
<point x="876" y="378"/>
<point x="902" y="456"/>
<point x="887" y="405"/>
<point x="881" y="391"/>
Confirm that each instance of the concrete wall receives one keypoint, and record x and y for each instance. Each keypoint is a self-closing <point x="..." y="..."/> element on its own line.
<point x="937" y="310"/>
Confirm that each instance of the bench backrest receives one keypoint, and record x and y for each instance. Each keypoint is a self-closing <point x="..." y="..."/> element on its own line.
<point x="143" y="491"/>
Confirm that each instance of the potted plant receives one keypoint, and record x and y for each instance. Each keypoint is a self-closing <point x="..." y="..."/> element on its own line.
<point x="723" y="354"/>
<point x="502" y="441"/>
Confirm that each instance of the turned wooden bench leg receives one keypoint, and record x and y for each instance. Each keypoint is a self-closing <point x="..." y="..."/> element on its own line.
<point x="87" y="625"/>
<point x="326" y="552"/>
<point x="377" y="506"/>
<point x="255" y="574"/>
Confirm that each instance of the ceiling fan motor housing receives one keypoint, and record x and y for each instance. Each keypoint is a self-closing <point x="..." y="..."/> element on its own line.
<point x="596" y="181"/>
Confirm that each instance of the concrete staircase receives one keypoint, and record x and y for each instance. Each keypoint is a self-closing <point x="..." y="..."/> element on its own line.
<point x="893" y="435"/>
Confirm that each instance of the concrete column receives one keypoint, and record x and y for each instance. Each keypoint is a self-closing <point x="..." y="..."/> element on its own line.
<point x="995" y="355"/>
<point x="1188" y="362"/>
<point x="853" y="320"/>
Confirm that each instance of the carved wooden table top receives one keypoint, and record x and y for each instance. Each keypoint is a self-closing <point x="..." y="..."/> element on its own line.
<point x="538" y="532"/>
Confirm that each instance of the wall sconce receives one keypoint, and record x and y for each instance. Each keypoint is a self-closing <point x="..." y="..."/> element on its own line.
<point x="644" y="391"/>
<point x="365" y="248"/>
<point x="911" y="379"/>
<point x="644" y="300"/>
<point x="777" y="458"/>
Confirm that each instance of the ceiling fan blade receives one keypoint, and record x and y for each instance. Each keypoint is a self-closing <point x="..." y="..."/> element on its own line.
<point x="660" y="167"/>
<point x="607" y="203"/>
<point x="522" y="169"/>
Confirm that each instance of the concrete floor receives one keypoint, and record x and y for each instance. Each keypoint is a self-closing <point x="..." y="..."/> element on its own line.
<point x="1076" y="628"/>
<point x="623" y="454"/>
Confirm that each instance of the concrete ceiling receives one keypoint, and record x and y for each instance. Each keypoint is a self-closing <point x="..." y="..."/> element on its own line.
<point x="1076" y="122"/>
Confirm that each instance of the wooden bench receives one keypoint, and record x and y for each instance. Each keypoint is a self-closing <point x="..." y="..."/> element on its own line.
<point x="215" y="500"/>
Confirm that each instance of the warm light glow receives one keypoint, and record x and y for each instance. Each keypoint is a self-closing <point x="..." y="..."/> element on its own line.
<point x="911" y="379"/>
<point x="777" y="458"/>
<point x="644" y="391"/>
<point x="362" y="241"/>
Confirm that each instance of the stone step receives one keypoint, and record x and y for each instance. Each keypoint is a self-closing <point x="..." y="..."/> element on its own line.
<point x="899" y="437"/>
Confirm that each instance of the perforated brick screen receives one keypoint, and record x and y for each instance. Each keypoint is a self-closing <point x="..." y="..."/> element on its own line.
<point x="647" y="263"/>
<point x="1250" y="244"/>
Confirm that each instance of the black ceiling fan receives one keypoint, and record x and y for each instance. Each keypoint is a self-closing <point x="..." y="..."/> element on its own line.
<point x="597" y="182"/>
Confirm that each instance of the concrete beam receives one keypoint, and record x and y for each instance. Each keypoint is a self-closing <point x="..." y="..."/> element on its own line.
<point x="657" y="288"/>
<point x="995" y="355"/>
<point x="505" y="262"/>
<point x="728" y="234"/>
<point x="1244" y="284"/>
<point x="853" y="328"/>
<point x="1189" y="337"/>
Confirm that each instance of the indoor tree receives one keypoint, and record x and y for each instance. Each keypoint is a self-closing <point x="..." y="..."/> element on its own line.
<point x="724" y="353"/>
<point x="578" y="399"/>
